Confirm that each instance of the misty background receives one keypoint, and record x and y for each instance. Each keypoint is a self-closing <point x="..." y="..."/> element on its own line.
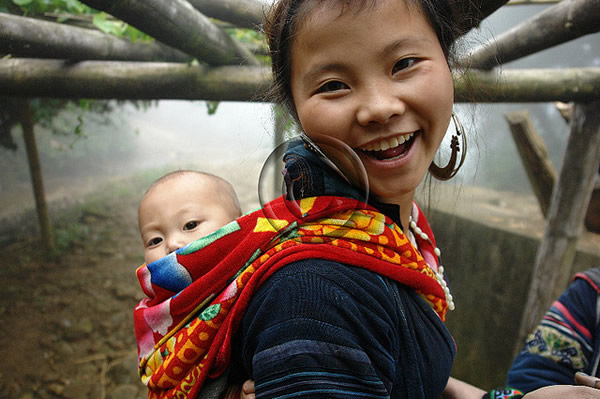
<point x="238" y="137"/>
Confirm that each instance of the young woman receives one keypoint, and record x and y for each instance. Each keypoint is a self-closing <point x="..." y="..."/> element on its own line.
<point x="374" y="75"/>
<point x="328" y="296"/>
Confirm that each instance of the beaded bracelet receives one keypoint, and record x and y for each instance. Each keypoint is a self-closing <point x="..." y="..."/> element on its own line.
<point x="505" y="393"/>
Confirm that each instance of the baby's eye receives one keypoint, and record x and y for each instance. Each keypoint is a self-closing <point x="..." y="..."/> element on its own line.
<point x="191" y="225"/>
<point x="403" y="64"/>
<point x="333" y="85"/>
<point x="154" y="241"/>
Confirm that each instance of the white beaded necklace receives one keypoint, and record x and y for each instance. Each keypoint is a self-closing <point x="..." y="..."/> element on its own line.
<point x="439" y="274"/>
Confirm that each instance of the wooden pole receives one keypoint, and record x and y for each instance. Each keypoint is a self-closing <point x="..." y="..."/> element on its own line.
<point x="29" y="37"/>
<point x="558" y="24"/>
<point x="528" y="85"/>
<point x="570" y="198"/>
<point x="131" y="80"/>
<point x="243" y="13"/>
<point x="156" y="80"/>
<point x="179" y="25"/>
<point x="279" y="138"/>
<point x="534" y="154"/>
<point x="36" y="174"/>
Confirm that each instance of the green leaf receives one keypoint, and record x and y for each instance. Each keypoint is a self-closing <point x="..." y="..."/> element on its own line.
<point x="106" y="26"/>
<point x="73" y="5"/>
<point x="212" y="107"/>
<point x="22" y="2"/>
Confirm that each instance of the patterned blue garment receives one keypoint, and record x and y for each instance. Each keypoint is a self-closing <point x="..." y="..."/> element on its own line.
<point x="566" y="341"/>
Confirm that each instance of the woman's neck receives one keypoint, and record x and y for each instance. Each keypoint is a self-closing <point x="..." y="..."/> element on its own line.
<point x="405" y="212"/>
<point x="405" y="203"/>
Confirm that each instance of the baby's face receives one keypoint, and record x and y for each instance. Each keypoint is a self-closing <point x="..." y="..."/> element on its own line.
<point x="177" y="212"/>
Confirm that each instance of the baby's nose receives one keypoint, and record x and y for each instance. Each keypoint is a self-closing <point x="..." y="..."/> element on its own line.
<point x="175" y="243"/>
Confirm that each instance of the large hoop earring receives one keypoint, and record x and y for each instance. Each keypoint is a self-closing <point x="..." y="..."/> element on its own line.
<point x="450" y="170"/>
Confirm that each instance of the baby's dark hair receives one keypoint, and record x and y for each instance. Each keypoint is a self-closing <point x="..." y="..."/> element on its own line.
<point x="284" y="19"/>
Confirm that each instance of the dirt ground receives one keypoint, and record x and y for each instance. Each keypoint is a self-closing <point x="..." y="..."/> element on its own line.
<point x="66" y="320"/>
<point x="67" y="325"/>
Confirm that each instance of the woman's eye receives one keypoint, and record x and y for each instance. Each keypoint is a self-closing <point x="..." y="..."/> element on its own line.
<point x="403" y="64"/>
<point x="154" y="241"/>
<point x="191" y="225"/>
<point x="333" y="85"/>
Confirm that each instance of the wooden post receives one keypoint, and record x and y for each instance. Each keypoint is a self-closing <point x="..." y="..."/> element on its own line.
<point x="279" y="137"/>
<point x="567" y="20"/>
<point x="534" y="155"/>
<point x="36" y="174"/>
<point x="570" y="199"/>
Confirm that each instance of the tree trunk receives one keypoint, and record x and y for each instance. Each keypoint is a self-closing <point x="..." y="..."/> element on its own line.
<point x="243" y="13"/>
<point x="534" y="155"/>
<point x="570" y="199"/>
<point x="29" y="37"/>
<point x="35" y="169"/>
<point x="558" y="24"/>
<point x="179" y="25"/>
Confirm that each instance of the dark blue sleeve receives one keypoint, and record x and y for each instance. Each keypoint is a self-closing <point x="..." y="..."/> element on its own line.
<point x="321" y="329"/>
<point x="561" y="344"/>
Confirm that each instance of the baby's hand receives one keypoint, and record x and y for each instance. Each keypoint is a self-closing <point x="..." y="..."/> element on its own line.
<point x="248" y="390"/>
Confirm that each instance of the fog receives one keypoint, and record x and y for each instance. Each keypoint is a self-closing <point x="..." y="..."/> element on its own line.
<point x="495" y="162"/>
<point x="180" y="134"/>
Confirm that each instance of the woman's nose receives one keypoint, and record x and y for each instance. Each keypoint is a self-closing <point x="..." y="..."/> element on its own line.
<point x="378" y="105"/>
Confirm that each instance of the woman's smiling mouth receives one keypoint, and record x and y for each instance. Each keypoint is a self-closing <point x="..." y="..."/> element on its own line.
<point x="389" y="148"/>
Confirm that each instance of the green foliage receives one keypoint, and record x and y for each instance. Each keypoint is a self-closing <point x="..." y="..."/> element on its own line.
<point x="68" y="9"/>
<point x="116" y="27"/>
<point x="212" y="106"/>
<point x="66" y="236"/>
<point x="246" y="36"/>
<point x="52" y="6"/>
<point x="46" y="112"/>
<point x="252" y="38"/>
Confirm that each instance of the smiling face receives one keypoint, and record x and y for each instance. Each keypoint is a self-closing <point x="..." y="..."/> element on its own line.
<point x="182" y="209"/>
<point x="377" y="79"/>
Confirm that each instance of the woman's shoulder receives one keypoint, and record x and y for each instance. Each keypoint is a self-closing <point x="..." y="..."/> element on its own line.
<point x="319" y="277"/>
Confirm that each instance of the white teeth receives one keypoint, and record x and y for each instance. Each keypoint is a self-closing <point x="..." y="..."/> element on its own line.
<point x="386" y="144"/>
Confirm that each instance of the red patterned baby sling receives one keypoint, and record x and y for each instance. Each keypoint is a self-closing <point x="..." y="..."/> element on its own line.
<point x="198" y="294"/>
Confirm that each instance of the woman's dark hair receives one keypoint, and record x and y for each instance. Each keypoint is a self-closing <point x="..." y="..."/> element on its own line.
<point x="283" y="20"/>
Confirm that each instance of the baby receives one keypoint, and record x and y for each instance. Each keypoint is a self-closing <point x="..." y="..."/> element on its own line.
<point x="181" y="207"/>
